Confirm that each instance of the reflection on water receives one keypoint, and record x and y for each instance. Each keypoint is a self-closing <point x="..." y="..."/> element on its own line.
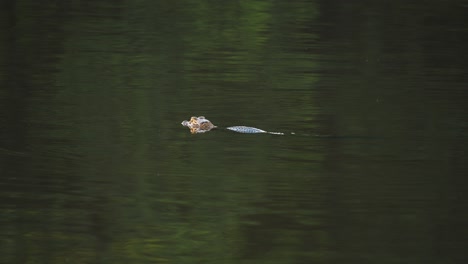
<point x="96" y="168"/>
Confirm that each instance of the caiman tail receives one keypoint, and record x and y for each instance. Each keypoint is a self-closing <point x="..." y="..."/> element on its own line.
<point x="251" y="130"/>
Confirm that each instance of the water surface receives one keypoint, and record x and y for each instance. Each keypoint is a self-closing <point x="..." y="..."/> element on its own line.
<point x="96" y="168"/>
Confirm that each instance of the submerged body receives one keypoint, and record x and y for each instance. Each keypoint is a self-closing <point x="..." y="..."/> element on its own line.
<point x="201" y="125"/>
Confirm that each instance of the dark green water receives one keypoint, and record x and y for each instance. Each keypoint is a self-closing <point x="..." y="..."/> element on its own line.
<point x="96" y="168"/>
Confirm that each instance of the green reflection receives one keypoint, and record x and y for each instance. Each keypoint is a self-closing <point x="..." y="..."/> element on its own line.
<point x="99" y="170"/>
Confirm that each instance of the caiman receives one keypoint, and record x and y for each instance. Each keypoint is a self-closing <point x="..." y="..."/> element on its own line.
<point x="201" y="125"/>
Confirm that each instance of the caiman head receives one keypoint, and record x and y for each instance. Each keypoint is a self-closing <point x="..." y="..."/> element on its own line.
<point x="198" y="124"/>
